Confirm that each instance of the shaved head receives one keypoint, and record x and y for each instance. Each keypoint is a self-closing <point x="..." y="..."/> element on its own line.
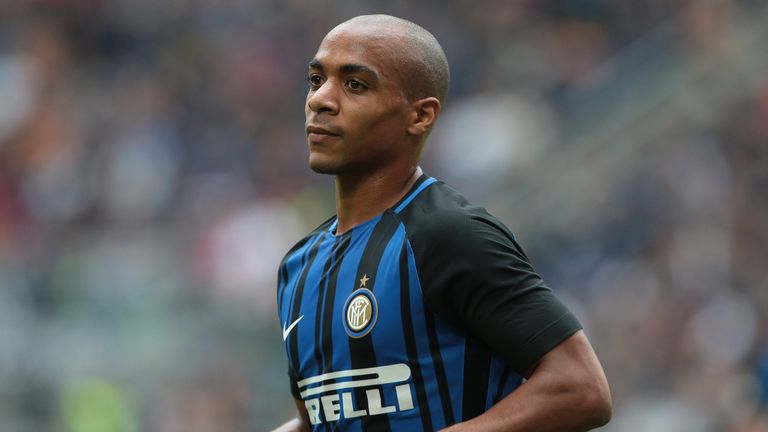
<point x="376" y="86"/>
<point x="420" y="60"/>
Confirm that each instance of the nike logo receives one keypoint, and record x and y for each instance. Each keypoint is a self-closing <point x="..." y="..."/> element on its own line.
<point x="288" y="329"/>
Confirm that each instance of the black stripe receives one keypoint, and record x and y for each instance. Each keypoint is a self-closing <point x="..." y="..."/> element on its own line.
<point x="303" y="262"/>
<point x="502" y="382"/>
<point x="282" y="279"/>
<point x="361" y="350"/>
<point x="410" y="341"/>
<point x="298" y="296"/>
<point x="319" y="310"/>
<point x="477" y="366"/>
<point x="322" y="288"/>
<point x="437" y="359"/>
<point x="326" y="337"/>
<point x="297" y="246"/>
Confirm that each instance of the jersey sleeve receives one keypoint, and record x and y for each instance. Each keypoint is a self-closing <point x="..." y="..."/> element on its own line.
<point x="476" y="276"/>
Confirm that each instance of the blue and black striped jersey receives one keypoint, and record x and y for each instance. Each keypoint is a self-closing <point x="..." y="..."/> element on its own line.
<point x="422" y="317"/>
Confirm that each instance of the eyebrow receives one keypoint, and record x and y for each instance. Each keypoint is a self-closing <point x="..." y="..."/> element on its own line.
<point x="346" y="68"/>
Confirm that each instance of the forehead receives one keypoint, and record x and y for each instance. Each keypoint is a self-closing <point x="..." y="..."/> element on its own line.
<point x="361" y="46"/>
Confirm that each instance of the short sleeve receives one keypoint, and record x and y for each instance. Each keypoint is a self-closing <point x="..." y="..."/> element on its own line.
<point x="476" y="276"/>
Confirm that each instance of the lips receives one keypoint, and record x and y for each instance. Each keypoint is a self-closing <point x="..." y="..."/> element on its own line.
<point x="317" y="135"/>
<point x="317" y="130"/>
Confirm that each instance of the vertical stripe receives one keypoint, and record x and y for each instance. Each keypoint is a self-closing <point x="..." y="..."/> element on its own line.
<point x="322" y="289"/>
<point x="282" y="278"/>
<point x="345" y="284"/>
<point x="410" y="341"/>
<point x="304" y="256"/>
<point x="361" y="350"/>
<point x="477" y="364"/>
<point x="326" y="337"/>
<point x="283" y="273"/>
<point x="282" y="281"/>
<point x="437" y="360"/>
<point x="296" y="307"/>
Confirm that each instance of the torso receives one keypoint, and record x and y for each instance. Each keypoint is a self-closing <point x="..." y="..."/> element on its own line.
<point x="365" y="350"/>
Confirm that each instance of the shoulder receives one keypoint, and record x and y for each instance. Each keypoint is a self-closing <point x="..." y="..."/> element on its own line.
<point x="440" y="218"/>
<point x="308" y="239"/>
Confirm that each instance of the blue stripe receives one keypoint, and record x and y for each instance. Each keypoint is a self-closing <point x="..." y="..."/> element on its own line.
<point x="346" y="283"/>
<point x="293" y="267"/>
<point x="305" y="333"/>
<point x="452" y="346"/>
<point x="420" y="332"/>
<point x="413" y="194"/>
<point x="388" y="331"/>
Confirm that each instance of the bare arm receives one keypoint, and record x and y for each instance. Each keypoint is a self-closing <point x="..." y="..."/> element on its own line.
<point x="566" y="391"/>
<point x="298" y="424"/>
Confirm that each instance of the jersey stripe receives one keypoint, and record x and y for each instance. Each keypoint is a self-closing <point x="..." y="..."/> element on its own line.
<point x="410" y="340"/>
<point x="477" y="363"/>
<point x="320" y="305"/>
<point x="283" y="273"/>
<point x="298" y="296"/>
<point x="306" y="243"/>
<point x="282" y="280"/>
<point x="326" y="336"/>
<point x="307" y="249"/>
<point x="361" y="349"/>
<point x="437" y="359"/>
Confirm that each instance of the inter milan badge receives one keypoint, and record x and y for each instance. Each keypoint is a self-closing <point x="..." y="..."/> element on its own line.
<point x="360" y="311"/>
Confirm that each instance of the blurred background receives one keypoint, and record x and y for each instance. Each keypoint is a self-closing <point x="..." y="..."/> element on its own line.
<point x="153" y="172"/>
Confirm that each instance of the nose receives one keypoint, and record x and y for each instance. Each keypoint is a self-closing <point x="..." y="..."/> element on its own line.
<point x="324" y="99"/>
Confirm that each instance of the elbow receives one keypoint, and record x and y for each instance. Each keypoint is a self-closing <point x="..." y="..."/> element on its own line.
<point x="598" y="405"/>
<point x="601" y="411"/>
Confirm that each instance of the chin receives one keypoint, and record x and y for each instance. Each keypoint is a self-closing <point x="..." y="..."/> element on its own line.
<point x="323" y="166"/>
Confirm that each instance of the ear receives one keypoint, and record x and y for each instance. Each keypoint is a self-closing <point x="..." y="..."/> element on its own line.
<point x="424" y="115"/>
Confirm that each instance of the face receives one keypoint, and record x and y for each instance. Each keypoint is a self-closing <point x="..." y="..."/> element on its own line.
<point x="356" y="112"/>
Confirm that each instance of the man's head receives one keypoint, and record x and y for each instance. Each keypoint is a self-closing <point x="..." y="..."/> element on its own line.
<point x="376" y="86"/>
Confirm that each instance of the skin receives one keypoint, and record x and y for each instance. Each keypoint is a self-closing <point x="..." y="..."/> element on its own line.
<point x="363" y="129"/>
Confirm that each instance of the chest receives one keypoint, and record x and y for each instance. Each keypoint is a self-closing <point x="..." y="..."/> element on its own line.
<point x="345" y="298"/>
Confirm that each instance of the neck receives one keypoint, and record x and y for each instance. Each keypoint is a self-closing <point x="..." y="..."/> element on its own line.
<point x="362" y="197"/>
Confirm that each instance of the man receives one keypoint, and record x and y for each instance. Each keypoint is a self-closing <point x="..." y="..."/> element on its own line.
<point x="412" y="310"/>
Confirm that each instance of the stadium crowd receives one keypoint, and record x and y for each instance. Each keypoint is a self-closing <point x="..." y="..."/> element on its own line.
<point x="153" y="172"/>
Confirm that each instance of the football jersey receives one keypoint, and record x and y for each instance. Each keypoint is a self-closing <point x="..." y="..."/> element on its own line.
<point x="422" y="317"/>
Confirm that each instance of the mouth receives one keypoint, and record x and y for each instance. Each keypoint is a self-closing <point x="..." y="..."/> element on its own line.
<point x="317" y="130"/>
<point x="317" y="134"/>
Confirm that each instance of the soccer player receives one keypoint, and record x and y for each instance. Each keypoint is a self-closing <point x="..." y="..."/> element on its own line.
<point x="411" y="309"/>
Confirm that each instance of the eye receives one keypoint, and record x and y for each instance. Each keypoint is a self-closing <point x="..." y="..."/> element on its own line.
<point x="355" y="85"/>
<point x="315" y="80"/>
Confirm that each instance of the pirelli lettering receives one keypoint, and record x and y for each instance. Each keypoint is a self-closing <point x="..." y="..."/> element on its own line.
<point x="326" y="400"/>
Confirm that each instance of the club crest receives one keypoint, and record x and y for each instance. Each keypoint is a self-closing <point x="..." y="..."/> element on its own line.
<point x="360" y="311"/>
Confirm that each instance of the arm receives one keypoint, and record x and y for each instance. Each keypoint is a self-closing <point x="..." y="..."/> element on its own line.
<point x="565" y="391"/>
<point x="298" y="424"/>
